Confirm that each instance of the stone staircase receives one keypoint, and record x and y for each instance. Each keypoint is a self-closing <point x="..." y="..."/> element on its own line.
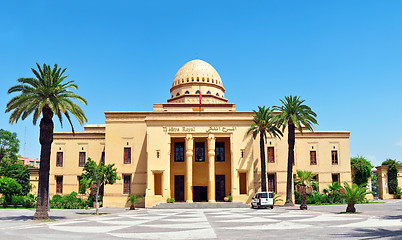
<point x="200" y="205"/>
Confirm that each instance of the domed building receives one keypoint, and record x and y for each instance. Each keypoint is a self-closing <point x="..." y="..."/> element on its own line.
<point x="193" y="148"/>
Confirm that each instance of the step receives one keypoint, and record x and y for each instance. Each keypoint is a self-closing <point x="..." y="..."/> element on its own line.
<point x="200" y="205"/>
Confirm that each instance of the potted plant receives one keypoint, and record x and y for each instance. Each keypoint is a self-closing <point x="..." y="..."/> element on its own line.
<point x="170" y="200"/>
<point x="228" y="198"/>
<point x="132" y="199"/>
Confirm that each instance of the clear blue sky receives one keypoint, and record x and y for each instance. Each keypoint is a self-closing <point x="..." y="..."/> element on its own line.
<point x="343" y="57"/>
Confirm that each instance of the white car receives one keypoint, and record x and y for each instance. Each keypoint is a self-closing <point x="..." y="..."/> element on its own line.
<point x="263" y="199"/>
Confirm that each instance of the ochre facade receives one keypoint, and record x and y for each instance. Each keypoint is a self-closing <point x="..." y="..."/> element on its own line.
<point x="190" y="152"/>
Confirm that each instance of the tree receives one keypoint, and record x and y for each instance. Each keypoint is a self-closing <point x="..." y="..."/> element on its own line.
<point x="10" y="166"/>
<point x="303" y="184"/>
<point x="392" y="173"/>
<point x="45" y="95"/>
<point x="15" y="170"/>
<point x="9" y="144"/>
<point x="264" y="122"/>
<point x="353" y="194"/>
<point x="9" y="187"/>
<point x="133" y="199"/>
<point x="362" y="169"/>
<point x="294" y="114"/>
<point x="97" y="176"/>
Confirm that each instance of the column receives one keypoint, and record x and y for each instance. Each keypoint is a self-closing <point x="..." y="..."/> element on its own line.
<point x="211" y="168"/>
<point x="189" y="168"/>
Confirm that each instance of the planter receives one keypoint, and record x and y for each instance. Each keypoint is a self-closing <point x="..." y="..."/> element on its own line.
<point x="226" y="199"/>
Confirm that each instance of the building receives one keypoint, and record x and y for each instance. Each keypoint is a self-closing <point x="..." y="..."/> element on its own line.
<point x="30" y="162"/>
<point x="190" y="152"/>
<point x="383" y="190"/>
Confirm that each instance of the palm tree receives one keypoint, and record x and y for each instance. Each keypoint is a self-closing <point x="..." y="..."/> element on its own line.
<point x="294" y="114"/>
<point x="133" y="199"/>
<point x="45" y="95"/>
<point x="353" y="195"/>
<point x="264" y="122"/>
<point x="303" y="184"/>
<point x="333" y="192"/>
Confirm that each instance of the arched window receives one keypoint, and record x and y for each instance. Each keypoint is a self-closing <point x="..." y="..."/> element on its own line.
<point x="217" y="94"/>
<point x="197" y="92"/>
<point x="177" y="94"/>
<point x="187" y="92"/>
<point x="209" y="92"/>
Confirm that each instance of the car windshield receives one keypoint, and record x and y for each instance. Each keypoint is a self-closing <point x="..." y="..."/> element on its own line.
<point x="271" y="195"/>
<point x="264" y="195"/>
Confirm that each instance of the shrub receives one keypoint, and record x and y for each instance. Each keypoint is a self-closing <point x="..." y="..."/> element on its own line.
<point x="68" y="201"/>
<point x="17" y="200"/>
<point x="9" y="187"/>
<point x="398" y="193"/>
<point x="170" y="200"/>
<point x="29" y="201"/>
<point x="392" y="174"/>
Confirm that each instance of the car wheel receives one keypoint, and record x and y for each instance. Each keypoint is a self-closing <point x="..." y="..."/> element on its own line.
<point x="258" y="206"/>
<point x="272" y="207"/>
<point x="252" y="206"/>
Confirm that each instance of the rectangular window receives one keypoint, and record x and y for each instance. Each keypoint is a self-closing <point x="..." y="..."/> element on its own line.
<point x="79" y="183"/>
<point x="31" y="163"/>
<point x="335" y="177"/>
<point x="243" y="183"/>
<point x="179" y="151"/>
<point x="82" y="159"/>
<point x="59" y="184"/>
<point x="59" y="160"/>
<point x="158" y="183"/>
<point x="270" y="153"/>
<point x="200" y="152"/>
<point x="315" y="178"/>
<point x="103" y="158"/>
<point x="334" y="155"/>
<point x="220" y="152"/>
<point x="127" y="155"/>
<point x="313" y="158"/>
<point x="127" y="184"/>
<point x="271" y="182"/>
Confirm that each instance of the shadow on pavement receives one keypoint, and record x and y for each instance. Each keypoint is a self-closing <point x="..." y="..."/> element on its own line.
<point x="372" y="234"/>
<point x="26" y="218"/>
<point x="396" y="217"/>
<point x="90" y="213"/>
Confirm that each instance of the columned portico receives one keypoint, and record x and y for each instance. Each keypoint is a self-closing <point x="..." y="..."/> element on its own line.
<point x="211" y="168"/>
<point x="189" y="168"/>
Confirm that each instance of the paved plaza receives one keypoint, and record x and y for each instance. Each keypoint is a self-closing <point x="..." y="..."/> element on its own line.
<point x="325" y="222"/>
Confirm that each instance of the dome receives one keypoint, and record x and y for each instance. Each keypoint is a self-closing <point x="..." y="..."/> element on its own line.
<point x="197" y="77"/>
<point x="197" y="71"/>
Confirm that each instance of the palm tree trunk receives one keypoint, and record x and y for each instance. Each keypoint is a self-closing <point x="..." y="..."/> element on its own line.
<point x="303" y="203"/>
<point x="351" y="208"/>
<point x="291" y="143"/>
<point x="45" y="139"/>
<point x="263" y="170"/>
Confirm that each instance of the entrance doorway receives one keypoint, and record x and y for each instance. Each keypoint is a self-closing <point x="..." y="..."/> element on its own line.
<point x="179" y="188"/>
<point x="219" y="187"/>
<point x="200" y="194"/>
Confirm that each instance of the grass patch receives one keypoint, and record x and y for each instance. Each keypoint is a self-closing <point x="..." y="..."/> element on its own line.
<point x="48" y="220"/>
